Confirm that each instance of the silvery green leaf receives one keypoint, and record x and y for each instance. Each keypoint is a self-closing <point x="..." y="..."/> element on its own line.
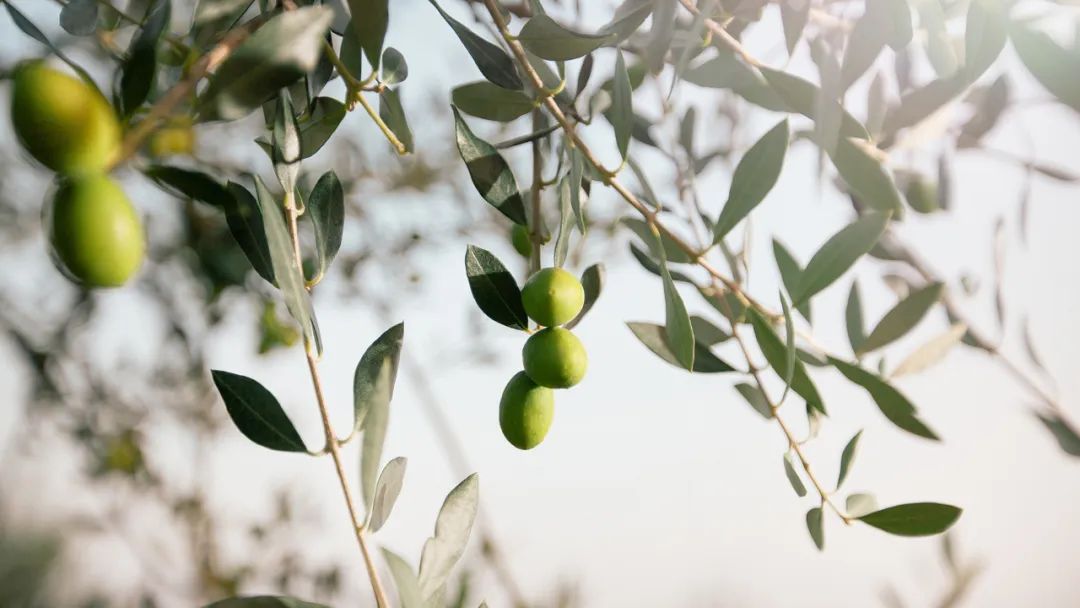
<point x="452" y="528"/>
<point x="387" y="490"/>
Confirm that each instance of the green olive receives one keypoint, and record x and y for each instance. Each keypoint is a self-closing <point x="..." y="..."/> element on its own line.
<point x="552" y="297"/>
<point x="96" y="235"/>
<point x="922" y="194"/>
<point x="525" y="412"/>
<point x="63" y="122"/>
<point x="519" y="236"/>
<point x="555" y="358"/>
<point x="174" y="140"/>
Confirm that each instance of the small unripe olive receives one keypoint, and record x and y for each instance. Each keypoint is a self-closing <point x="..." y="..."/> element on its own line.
<point x="174" y="140"/>
<point x="552" y="297"/>
<point x="519" y="236"/>
<point x="95" y="233"/>
<point x="62" y="121"/>
<point x="525" y="412"/>
<point x="555" y="358"/>
<point x="922" y="194"/>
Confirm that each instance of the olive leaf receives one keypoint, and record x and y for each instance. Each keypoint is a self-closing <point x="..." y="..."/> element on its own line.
<point x="621" y="114"/>
<point x="140" y="67"/>
<point x="257" y="413"/>
<point x="902" y="317"/>
<point x="393" y="114"/>
<point x="776" y="353"/>
<point x="754" y="177"/>
<point x="485" y="100"/>
<point x="373" y="388"/>
<point x="815" y="524"/>
<point x="264" y="601"/>
<point x="546" y="39"/>
<point x="326" y="208"/>
<point x="79" y="17"/>
<point x="494" y="288"/>
<point x="452" y="528"/>
<point x="387" y="490"/>
<point x="793" y="476"/>
<point x="493" y="62"/>
<point x="408" y="587"/>
<point x="890" y="401"/>
<point x="655" y="338"/>
<point x="490" y="174"/>
<point x="847" y="457"/>
<point x="244" y="217"/>
<point x="913" y="519"/>
<point x="370" y="20"/>
<point x="790" y="271"/>
<point x="592" y="281"/>
<point x="838" y="254"/>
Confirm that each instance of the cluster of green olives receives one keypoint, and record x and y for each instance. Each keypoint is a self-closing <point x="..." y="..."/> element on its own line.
<point x="553" y="357"/>
<point x="95" y="234"/>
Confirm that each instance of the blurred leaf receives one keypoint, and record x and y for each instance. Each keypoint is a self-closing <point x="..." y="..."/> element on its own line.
<point x="387" y="490"/>
<point x="847" y="457"/>
<point x="621" y="114"/>
<point x="753" y="178"/>
<point x="838" y="254"/>
<point x="789" y="347"/>
<point x="494" y="288"/>
<point x="566" y="223"/>
<point x="865" y="42"/>
<point x="667" y="247"/>
<point x="790" y="270"/>
<point x="1029" y="346"/>
<point x="1067" y="437"/>
<point x="815" y="523"/>
<point x="913" y="519"/>
<point x="188" y="183"/>
<point x="794" y="14"/>
<point x="493" y="62"/>
<point x="489" y="172"/>
<point x="485" y="100"/>
<point x="577" y="177"/>
<point x="285" y="148"/>
<point x="1052" y="65"/>
<point x="546" y="39"/>
<point x="452" y="529"/>
<point x="903" y="317"/>
<point x="755" y="398"/>
<point x="678" y="330"/>
<point x="408" y="587"/>
<point x="393" y="114"/>
<point x="793" y="476"/>
<point x="256" y="413"/>
<point x="860" y="504"/>
<point x="370" y="20"/>
<point x="326" y="208"/>
<point x="655" y="338"/>
<point x="706" y="333"/>
<point x="801" y="96"/>
<point x="277" y="54"/>
<point x="651" y="265"/>
<point x="984" y="36"/>
<point x="592" y="281"/>
<point x="930" y="353"/>
<point x="137" y="73"/>
<point x="627" y="19"/>
<point x="286" y="267"/>
<point x="79" y="17"/>
<point x="776" y="354"/>
<point x="853" y="318"/>
<point x="27" y="27"/>
<point x="244" y="217"/>
<point x="890" y="401"/>
<point x="864" y="172"/>
<point x="263" y="601"/>
<point x="939" y="48"/>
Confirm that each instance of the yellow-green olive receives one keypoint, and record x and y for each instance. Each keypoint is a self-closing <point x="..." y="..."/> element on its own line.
<point x="555" y="358"/>
<point x="525" y="412"/>
<point x="519" y="236"/>
<point x="62" y="121"/>
<point x="95" y="233"/>
<point x="552" y="297"/>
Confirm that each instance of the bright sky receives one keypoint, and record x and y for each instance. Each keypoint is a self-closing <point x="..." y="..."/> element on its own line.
<point x="659" y="488"/>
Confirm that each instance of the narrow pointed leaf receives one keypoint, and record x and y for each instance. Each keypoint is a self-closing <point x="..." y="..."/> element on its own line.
<point x="755" y="398"/>
<point x="490" y="174"/>
<point x="492" y="61"/>
<point x="754" y="176"/>
<point x="375" y="376"/>
<point x="257" y="413"/>
<point x="801" y="96"/>
<point x="655" y="338"/>
<point x="815" y="524"/>
<point x="777" y="356"/>
<point x="494" y="288"/>
<point x="838" y="254"/>
<point x="621" y="114"/>
<point x="140" y="67"/>
<point x="1067" y="437"/>
<point x="491" y="102"/>
<point x="566" y="223"/>
<point x="370" y="20"/>
<point x="678" y="329"/>
<point x="387" y="490"/>
<point x="932" y="352"/>
<point x="393" y="114"/>
<point x="914" y="519"/>
<point x="790" y="271"/>
<point x="326" y="208"/>
<point x="452" y="528"/>
<point x="890" y="401"/>
<point x="793" y="476"/>
<point x="853" y="318"/>
<point x="860" y="503"/>
<point x="244" y="217"/>
<point x="547" y="39"/>
<point x="408" y="587"/>
<point x="592" y="281"/>
<point x="903" y="317"/>
<point x="857" y="163"/>
<point x="847" y="457"/>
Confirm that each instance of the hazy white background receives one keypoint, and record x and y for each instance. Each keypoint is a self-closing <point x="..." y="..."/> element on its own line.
<point x="659" y="488"/>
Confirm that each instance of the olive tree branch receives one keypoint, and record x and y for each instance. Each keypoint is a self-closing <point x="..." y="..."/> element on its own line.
<point x="536" y="236"/>
<point x="328" y="429"/>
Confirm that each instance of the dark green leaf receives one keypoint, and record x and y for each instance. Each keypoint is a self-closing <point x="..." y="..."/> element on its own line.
<point x="245" y="221"/>
<point x="679" y="331"/>
<point x="188" y="183"/>
<point x="755" y="398"/>
<point x="775" y="352"/>
<point x="263" y="601"/>
<point x="592" y="281"/>
<point x="914" y="519"/>
<point x="546" y="39"/>
<point x="847" y="457"/>
<point x="1067" y="437"/>
<point x="815" y="523"/>
<point x="1052" y="65"/>
<point x="793" y="476"/>
<point x="838" y="254"/>
<point x="279" y="53"/>
<point x="493" y="62"/>
<point x="655" y="338"/>
<point x="621" y="114"/>
<point x="494" y="288"/>
<point x="375" y="376"/>
<point x="789" y="347"/>
<point x="326" y="208"/>
<point x="393" y="114"/>
<point x="853" y="318"/>
<point x="489" y="172"/>
<point x="324" y="116"/>
<point x="137" y="74"/>
<point x="890" y="401"/>
<point x="485" y="100"/>
<point x="902" y="318"/>
<point x="452" y="529"/>
<point x="370" y="20"/>
<point x="394" y="69"/>
<point x="754" y="176"/>
<point x="257" y="413"/>
<point x="79" y="17"/>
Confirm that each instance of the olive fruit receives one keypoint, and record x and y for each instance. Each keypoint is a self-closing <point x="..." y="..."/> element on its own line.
<point x="174" y="140"/>
<point x="519" y="236"/>
<point x="525" y="411"/>
<point x="63" y="122"/>
<point x="922" y="194"/>
<point x="555" y="358"/>
<point x="552" y="297"/>
<point x="96" y="235"/>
